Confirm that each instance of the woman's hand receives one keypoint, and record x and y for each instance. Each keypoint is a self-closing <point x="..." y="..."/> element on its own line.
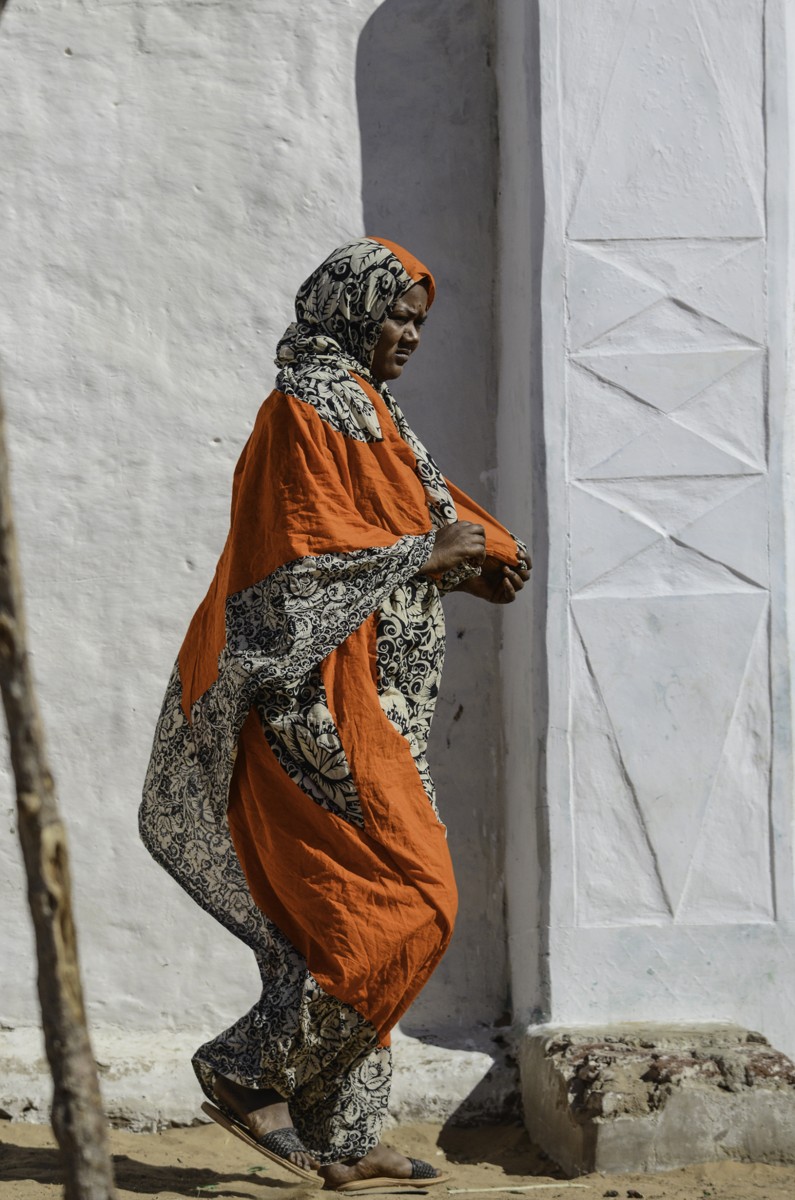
<point x="455" y="544"/>
<point x="497" y="582"/>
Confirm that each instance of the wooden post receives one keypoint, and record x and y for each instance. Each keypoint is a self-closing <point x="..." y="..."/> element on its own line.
<point x="77" y="1117"/>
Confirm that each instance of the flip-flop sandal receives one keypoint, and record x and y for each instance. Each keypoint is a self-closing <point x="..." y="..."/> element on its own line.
<point x="275" y="1145"/>
<point x="423" y="1175"/>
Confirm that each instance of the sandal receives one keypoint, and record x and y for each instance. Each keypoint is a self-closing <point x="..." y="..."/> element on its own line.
<point x="423" y="1175"/>
<point x="275" y="1145"/>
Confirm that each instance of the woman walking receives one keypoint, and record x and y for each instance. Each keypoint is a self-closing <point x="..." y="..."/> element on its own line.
<point x="288" y="790"/>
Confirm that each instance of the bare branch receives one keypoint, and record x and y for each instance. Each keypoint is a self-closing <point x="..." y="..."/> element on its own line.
<point x="77" y="1117"/>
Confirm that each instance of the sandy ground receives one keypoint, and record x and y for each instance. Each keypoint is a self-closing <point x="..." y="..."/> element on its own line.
<point x="205" y="1161"/>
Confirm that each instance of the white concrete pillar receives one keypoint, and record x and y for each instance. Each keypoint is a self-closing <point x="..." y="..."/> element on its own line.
<point x="665" y="761"/>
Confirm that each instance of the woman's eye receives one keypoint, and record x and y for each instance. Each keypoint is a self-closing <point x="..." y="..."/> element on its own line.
<point x="403" y="319"/>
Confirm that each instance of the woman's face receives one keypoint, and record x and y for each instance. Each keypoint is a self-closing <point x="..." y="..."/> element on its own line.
<point x="400" y="336"/>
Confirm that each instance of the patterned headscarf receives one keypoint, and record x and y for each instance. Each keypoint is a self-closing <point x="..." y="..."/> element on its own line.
<point x="340" y="311"/>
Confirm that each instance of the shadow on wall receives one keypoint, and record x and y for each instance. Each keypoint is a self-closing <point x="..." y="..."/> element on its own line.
<point x="428" y="117"/>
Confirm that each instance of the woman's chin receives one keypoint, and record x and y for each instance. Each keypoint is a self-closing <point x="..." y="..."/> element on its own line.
<point x="387" y="374"/>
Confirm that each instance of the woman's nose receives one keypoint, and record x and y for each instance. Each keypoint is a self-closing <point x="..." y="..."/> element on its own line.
<point x="411" y="334"/>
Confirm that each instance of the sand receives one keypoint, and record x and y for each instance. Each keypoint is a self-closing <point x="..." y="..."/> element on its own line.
<point x="205" y="1161"/>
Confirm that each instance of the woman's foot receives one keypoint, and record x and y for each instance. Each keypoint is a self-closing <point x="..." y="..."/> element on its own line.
<point x="261" y="1111"/>
<point x="381" y="1161"/>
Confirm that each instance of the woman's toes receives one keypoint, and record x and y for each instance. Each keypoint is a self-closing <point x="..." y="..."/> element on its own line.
<point x="380" y="1161"/>
<point x="305" y="1161"/>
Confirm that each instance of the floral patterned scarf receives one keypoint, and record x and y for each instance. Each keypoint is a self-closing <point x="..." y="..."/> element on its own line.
<point x="340" y="311"/>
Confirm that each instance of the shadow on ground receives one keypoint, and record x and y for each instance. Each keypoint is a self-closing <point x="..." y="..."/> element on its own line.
<point x="43" y="1165"/>
<point x="505" y="1146"/>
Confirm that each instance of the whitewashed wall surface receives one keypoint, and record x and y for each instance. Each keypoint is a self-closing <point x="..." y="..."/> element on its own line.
<point x="171" y="172"/>
<point x="670" y="795"/>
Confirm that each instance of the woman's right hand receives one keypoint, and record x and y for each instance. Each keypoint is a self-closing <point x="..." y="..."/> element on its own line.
<point x="455" y="544"/>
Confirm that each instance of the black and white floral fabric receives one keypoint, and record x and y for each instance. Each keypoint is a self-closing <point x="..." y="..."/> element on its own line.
<point x="318" y="1052"/>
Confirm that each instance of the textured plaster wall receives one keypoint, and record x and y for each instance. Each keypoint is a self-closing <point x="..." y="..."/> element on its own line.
<point x="666" y="316"/>
<point x="427" y="100"/>
<point x="171" y="172"/>
<point x="522" y="496"/>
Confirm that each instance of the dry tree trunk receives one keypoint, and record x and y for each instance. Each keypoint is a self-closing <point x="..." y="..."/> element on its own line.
<point x="77" y="1117"/>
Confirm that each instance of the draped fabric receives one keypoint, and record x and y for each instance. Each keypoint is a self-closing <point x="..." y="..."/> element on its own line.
<point x="288" y="790"/>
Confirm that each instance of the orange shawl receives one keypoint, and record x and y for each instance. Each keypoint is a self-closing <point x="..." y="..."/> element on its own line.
<point x="291" y="713"/>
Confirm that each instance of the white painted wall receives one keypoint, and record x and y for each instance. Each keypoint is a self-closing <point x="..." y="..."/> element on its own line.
<point x="667" y="772"/>
<point x="171" y="172"/>
<point x="427" y="102"/>
<point x="522" y="497"/>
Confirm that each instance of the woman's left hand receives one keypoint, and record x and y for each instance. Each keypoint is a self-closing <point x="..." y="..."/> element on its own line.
<point x="497" y="582"/>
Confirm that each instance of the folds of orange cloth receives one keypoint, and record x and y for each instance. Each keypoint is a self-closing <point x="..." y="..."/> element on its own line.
<point x="371" y="909"/>
<point x="369" y="904"/>
<point x="301" y="490"/>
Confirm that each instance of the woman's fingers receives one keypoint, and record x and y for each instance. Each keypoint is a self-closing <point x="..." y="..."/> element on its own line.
<point x="516" y="579"/>
<point x="477" y="535"/>
<point x="465" y="541"/>
<point x="455" y="544"/>
<point x="470" y="541"/>
<point x="513" y="580"/>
